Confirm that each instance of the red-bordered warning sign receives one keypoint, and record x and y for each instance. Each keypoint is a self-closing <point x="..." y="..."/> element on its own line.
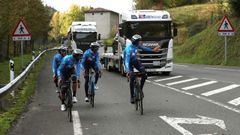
<point x="21" y="32"/>
<point x="226" y="25"/>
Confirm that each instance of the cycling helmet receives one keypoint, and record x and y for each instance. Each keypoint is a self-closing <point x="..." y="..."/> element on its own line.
<point x="77" y="54"/>
<point x="136" y="38"/>
<point x="94" y="44"/>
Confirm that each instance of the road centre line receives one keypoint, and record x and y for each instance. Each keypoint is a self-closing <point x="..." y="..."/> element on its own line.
<point x="170" y="78"/>
<point x="197" y="96"/>
<point x="235" y="102"/>
<point x="183" y="81"/>
<point x="199" y="85"/>
<point x="77" y="127"/>
<point x="227" y="88"/>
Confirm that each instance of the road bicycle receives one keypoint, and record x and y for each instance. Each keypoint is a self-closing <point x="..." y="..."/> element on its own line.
<point x="66" y="87"/>
<point x="138" y="93"/>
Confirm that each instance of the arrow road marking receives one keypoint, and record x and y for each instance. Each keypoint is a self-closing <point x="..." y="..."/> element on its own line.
<point x="170" y="78"/>
<point x="199" y="85"/>
<point x="174" y="122"/>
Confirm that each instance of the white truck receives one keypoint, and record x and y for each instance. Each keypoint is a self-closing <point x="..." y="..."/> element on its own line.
<point x="82" y="34"/>
<point x="156" y="28"/>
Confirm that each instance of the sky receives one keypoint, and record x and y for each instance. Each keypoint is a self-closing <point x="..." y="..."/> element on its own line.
<point x="114" y="5"/>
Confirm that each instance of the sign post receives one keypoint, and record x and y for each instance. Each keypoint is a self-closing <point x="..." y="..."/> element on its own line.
<point x="21" y="33"/>
<point x="226" y="29"/>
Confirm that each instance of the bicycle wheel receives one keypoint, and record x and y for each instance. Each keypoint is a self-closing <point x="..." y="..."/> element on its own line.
<point x="136" y="95"/>
<point x="92" y="94"/>
<point x="141" y="101"/>
<point x="69" y="104"/>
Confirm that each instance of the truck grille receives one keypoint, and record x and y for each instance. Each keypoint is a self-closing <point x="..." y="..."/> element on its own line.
<point x="153" y="60"/>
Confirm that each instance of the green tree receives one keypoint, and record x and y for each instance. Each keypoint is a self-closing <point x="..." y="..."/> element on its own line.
<point x="75" y="13"/>
<point x="235" y="7"/>
<point x="55" y="26"/>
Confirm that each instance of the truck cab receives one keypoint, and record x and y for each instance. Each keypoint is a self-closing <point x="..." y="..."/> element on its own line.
<point x="157" y="29"/>
<point x="82" y="34"/>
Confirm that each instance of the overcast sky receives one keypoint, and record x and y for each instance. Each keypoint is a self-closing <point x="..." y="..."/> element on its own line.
<point x="114" y="5"/>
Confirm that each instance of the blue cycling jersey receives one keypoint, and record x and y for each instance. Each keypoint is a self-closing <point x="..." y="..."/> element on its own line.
<point x="91" y="57"/>
<point x="57" y="59"/>
<point x="69" y="64"/>
<point x="130" y="54"/>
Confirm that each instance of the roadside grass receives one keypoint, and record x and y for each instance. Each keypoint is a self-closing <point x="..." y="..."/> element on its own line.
<point x="4" y="67"/>
<point x="207" y="47"/>
<point x="19" y="102"/>
<point x="192" y="19"/>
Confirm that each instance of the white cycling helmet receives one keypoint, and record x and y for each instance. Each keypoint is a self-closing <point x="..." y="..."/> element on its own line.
<point x="94" y="44"/>
<point x="77" y="54"/>
<point x="136" y="38"/>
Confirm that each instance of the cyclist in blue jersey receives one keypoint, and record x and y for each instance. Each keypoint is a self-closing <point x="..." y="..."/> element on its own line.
<point x="91" y="60"/>
<point x="62" y="51"/>
<point x="70" y="68"/>
<point x="131" y="61"/>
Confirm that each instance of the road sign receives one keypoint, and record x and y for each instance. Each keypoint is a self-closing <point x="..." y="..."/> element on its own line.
<point x="175" y="123"/>
<point x="226" y="28"/>
<point x="21" y="32"/>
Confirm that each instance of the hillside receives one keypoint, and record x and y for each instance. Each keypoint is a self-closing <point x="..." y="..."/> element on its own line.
<point x="208" y="48"/>
<point x="193" y="19"/>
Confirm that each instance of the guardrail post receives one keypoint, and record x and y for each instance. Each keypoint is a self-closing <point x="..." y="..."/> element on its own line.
<point x="11" y="66"/>
<point x="33" y="55"/>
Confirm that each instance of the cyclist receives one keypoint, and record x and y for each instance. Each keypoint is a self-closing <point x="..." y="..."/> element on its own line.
<point x="62" y="51"/>
<point x="91" y="60"/>
<point x="70" y="67"/>
<point x="131" y="62"/>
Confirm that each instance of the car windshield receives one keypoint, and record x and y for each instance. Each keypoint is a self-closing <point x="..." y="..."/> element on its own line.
<point x="85" y="37"/>
<point x="150" y="30"/>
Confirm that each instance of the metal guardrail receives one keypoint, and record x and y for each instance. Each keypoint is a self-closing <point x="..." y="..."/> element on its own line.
<point x="8" y="87"/>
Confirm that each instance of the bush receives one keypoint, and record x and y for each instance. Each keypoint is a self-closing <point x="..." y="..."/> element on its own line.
<point x="235" y="4"/>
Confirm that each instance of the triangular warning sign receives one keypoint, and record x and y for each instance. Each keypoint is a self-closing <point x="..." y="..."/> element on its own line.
<point x="21" y="29"/>
<point x="226" y="25"/>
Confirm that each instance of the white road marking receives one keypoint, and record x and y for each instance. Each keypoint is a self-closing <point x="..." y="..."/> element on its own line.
<point x="175" y="123"/>
<point x="230" y="87"/>
<point x="222" y="69"/>
<point x="235" y="102"/>
<point x="77" y="127"/>
<point x="183" y="81"/>
<point x="199" y="85"/>
<point x="170" y="78"/>
<point x="180" y="65"/>
<point x="197" y="96"/>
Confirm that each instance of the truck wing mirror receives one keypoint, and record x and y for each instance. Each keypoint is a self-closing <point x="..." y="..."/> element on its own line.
<point x="175" y="30"/>
<point x="99" y="36"/>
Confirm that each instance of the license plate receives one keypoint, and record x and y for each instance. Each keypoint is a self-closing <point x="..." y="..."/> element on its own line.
<point x="156" y="63"/>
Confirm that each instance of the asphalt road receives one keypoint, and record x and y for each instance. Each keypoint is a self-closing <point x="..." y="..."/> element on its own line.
<point x="184" y="103"/>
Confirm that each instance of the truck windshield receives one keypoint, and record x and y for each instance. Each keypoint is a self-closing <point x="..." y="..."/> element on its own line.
<point x="85" y="37"/>
<point x="150" y="30"/>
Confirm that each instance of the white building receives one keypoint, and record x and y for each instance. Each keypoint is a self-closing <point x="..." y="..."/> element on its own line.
<point x="107" y="20"/>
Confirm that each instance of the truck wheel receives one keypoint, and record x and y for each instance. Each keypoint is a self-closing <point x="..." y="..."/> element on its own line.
<point x="166" y="73"/>
<point x="109" y="68"/>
